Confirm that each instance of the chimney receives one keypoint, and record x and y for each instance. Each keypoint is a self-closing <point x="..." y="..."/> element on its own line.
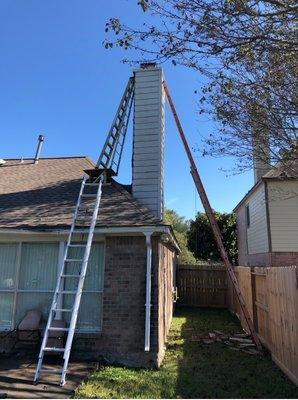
<point x="41" y="139"/>
<point x="260" y="141"/>
<point x="261" y="157"/>
<point x="148" y="139"/>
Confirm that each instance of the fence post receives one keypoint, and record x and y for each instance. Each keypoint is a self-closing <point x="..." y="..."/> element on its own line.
<point x="254" y="298"/>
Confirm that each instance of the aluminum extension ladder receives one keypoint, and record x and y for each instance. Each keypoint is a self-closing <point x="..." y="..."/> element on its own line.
<point x="81" y="215"/>
<point x="111" y="153"/>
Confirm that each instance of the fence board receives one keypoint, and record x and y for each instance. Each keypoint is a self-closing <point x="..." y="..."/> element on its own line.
<point x="202" y="286"/>
<point x="273" y="305"/>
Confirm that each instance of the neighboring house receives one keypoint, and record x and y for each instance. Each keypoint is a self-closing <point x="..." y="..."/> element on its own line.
<point x="267" y="218"/>
<point x="37" y="201"/>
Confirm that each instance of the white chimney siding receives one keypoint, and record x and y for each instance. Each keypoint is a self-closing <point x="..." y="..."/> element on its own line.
<point x="148" y="139"/>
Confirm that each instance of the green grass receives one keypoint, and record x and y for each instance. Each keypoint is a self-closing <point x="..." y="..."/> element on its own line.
<point x="194" y="369"/>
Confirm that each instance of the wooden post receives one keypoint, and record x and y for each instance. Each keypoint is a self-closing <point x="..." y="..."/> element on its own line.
<point x="254" y="299"/>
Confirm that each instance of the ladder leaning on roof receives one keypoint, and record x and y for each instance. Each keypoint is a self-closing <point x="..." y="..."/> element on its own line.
<point x="108" y="164"/>
<point x="66" y="276"/>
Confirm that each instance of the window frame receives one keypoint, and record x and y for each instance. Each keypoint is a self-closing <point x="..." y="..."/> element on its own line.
<point x="247" y="215"/>
<point x="15" y="290"/>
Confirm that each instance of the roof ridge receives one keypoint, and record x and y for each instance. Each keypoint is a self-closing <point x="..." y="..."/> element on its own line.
<point x="47" y="158"/>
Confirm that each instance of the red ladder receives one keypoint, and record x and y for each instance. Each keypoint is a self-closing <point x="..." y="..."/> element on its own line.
<point x="210" y="214"/>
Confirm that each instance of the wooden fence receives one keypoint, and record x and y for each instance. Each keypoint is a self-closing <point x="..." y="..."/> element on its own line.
<point x="271" y="295"/>
<point x="202" y="286"/>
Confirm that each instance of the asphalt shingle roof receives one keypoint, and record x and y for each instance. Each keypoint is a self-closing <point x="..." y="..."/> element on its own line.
<point x="43" y="196"/>
<point x="283" y="170"/>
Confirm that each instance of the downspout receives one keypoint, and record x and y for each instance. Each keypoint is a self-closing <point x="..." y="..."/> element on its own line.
<point x="148" y="291"/>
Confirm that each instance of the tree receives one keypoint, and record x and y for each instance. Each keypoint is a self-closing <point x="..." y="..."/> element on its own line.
<point x="200" y="238"/>
<point x="247" y="49"/>
<point x="180" y="227"/>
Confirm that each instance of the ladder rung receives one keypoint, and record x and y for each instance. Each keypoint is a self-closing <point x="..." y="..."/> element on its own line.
<point x="72" y="242"/>
<point x="67" y="292"/>
<point x="52" y="371"/>
<point x="58" y="329"/>
<point x="54" y="349"/>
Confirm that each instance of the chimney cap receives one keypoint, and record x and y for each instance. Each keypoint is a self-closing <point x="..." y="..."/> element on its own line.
<point x="147" y="65"/>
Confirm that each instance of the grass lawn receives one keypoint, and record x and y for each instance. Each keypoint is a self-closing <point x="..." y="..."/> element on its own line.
<point x="194" y="370"/>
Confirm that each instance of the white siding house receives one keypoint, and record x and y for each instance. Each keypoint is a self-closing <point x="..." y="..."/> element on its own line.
<point x="267" y="220"/>
<point x="257" y="233"/>
<point x="283" y="211"/>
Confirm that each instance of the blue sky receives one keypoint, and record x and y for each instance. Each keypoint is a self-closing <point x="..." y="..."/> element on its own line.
<point x="57" y="79"/>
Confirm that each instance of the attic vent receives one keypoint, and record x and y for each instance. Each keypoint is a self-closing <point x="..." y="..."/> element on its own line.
<point x="2" y="162"/>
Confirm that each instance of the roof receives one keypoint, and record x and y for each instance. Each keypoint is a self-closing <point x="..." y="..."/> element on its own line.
<point x="43" y="196"/>
<point x="283" y="170"/>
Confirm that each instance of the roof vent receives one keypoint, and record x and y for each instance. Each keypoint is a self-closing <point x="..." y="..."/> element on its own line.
<point x="41" y="139"/>
<point x="2" y="162"/>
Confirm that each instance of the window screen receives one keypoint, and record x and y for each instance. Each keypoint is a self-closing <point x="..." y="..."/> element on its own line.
<point x="8" y="261"/>
<point x="247" y="216"/>
<point x="37" y="267"/>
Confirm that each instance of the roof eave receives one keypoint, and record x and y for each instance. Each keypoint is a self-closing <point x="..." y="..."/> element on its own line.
<point x="151" y="229"/>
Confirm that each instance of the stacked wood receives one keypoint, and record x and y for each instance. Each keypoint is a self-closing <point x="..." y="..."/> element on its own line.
<point x="235" y="342"/>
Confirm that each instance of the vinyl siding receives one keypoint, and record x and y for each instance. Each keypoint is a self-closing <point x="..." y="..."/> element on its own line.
<point x="283" y="211"/>
<point x="257" y="233"/>
<point x="148" y="140"/>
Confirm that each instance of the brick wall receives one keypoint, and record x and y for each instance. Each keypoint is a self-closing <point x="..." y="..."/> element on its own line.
<point x="165" y="293"/>
<point x="123" y="325"/>
<point x="270" y="259"/>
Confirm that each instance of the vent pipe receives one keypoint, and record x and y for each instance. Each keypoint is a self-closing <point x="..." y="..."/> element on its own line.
<point x="41" y="139"/>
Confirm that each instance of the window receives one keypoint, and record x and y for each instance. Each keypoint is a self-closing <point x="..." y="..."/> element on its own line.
<point x="89" y="317"/>
<point x="8" y="258"/>
<point x="28" y="275"/>
<point x="37" y="278"/>
<point x="247" y="216"/>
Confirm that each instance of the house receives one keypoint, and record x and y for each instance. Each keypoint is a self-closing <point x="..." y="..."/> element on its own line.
<point x="267" y="217"/>
<point x="127" y="302"/>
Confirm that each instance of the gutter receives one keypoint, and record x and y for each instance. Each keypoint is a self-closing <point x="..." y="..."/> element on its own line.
<point x="148" y="291"/>
<point x="100" y="231"/>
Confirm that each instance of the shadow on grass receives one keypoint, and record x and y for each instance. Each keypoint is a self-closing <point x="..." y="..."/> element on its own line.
<point x="214" y="370"/>
<point x="192" y="369"/>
